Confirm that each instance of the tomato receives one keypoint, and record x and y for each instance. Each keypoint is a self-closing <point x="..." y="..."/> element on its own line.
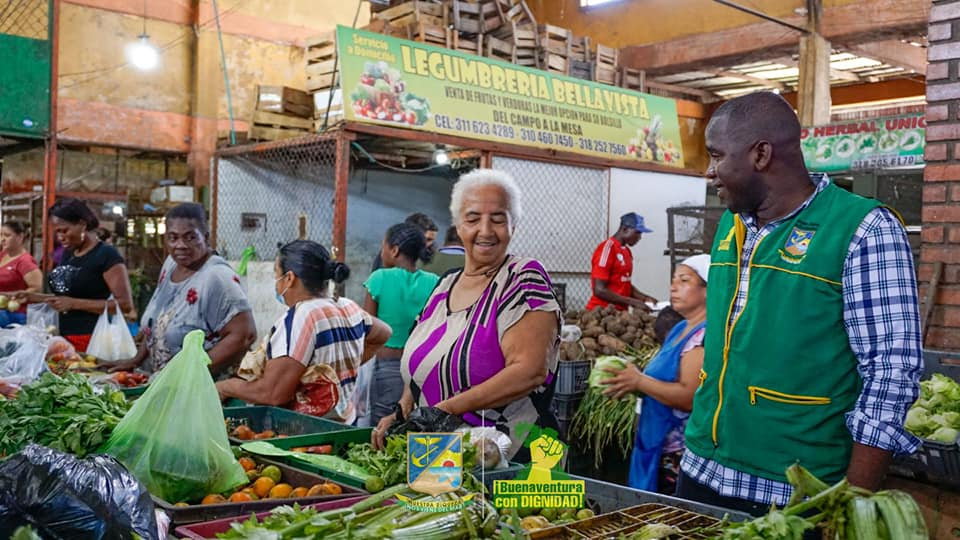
<point x="411" y="118"/>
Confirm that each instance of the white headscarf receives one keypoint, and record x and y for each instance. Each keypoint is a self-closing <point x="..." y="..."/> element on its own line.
<point x="700" y="264"/>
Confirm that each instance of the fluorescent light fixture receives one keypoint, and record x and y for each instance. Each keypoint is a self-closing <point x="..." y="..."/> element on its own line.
<point x="142" y="54"/>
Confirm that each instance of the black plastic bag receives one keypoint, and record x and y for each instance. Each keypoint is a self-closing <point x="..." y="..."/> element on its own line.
<point x="63" y="497"/>
<point x="427" y="420"/>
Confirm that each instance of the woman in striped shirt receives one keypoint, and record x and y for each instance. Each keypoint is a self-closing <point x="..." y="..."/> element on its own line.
<point x="485" y="346"/>
<point x="314" y="349"/>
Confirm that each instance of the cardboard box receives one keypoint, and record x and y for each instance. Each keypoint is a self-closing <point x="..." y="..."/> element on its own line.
<point x="172" y="194"/>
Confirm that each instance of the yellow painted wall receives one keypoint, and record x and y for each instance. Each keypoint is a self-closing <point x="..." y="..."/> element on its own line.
<point x="92" y="57"/>
<point x="92" y="61"/>
<point x="637" y="22"/>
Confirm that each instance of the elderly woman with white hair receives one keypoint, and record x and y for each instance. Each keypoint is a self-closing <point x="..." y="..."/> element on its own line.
<point x="667" y="385"/>
<point x="485" y="347"/>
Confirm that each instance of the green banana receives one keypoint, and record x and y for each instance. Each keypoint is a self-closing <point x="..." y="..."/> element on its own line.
<point x="862" y="519"/>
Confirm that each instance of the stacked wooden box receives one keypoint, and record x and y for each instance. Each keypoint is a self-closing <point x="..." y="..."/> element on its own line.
<point x="431" y="24"/>
<point x="607" y="61"/>
<point x="323" y="80"/>
<point x="519" y="29"/>
<point x="632" y="79"/>
<point x="281" y="113"/>
<point x="475" y="17"/>
<point x="554" y="53"/>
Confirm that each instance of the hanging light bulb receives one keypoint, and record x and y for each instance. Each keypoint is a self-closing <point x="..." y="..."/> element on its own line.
<point x="142" y="54"/>
<point x="440" y="156"/>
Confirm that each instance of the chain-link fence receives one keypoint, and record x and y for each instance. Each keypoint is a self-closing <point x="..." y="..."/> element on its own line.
<point x="565" y="211"/>
<point x="25" y="18"/>
<point x="270" y="196"/>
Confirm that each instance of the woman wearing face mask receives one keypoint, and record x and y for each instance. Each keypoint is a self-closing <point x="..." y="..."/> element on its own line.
<point x="89" y="274"/>
<point x="197" y="290"/>
<point x="668" y="383"/>
<point x="396" y="293"/>
<point x="313" y="350"/>
<point x="19" y="273"/>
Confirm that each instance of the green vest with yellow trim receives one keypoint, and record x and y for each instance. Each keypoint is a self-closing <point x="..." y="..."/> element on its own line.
<point x="777" y="381"/>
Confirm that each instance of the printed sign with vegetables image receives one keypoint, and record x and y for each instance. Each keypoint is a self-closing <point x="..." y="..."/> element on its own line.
<point x="650" y="145"/>
<point x="381" y="94"/>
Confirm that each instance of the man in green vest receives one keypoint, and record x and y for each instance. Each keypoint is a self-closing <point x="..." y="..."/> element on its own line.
<point x="812" y="352"/>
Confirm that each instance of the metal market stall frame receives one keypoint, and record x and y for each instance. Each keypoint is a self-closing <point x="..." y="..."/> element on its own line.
<point x="265" y="194"/>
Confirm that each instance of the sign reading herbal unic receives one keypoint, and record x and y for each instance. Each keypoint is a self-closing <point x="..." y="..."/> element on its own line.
<point x="865" y="144"/>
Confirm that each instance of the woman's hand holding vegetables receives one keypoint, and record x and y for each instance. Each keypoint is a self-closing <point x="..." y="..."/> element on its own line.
<point x="62" y="304"/>
<point x="378" y="437"/>
<point x="622" y="382"/>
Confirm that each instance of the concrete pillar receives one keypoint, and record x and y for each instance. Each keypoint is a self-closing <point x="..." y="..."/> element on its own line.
<point x="813" y="92"/>
<point x="941" y="178"/>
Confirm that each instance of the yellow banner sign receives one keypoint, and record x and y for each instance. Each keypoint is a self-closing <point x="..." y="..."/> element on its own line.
<point x="401" y="83"/>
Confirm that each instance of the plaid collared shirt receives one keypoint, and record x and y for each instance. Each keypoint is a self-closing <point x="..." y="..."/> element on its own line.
<point x="882" y="320"/>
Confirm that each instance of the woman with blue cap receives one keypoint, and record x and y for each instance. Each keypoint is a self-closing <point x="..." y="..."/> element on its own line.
<point x="667" y="385"/>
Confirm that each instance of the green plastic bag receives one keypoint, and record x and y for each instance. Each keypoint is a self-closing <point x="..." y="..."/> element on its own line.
<point x="174" y="439"/>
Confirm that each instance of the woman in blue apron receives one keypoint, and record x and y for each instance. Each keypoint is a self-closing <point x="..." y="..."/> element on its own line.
<point x="667" y="385"/>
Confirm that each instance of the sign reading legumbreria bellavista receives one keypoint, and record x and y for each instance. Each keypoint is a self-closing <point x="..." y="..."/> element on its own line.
<point x="412" y="85"/>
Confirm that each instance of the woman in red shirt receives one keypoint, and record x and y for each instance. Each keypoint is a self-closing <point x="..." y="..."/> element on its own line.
<point x="18" y="271"/>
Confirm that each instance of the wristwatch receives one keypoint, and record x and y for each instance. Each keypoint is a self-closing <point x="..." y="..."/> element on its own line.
<point x="398" y="411"/>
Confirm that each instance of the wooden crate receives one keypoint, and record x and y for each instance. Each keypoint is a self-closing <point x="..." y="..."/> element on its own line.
<point x="554" y="48"/>
<point x="284" y="100"/>
<point x="477" y="17"/>
<point x="514" y="11"/>
<point x="580" y="49"/>
<point x="609" y="56"/>
<point x="321" y="48"/>
<point x="377" y="6"/>
<point x="498" y="49"/>
<point x="467" y="43"/>
<point x="606" y="69"/>
<point x="321" y="76"/>
<point x="581" y="70"/>
<point x="267" y="126"/>
<point x="525" y="49"/>
<point x="632" y="79"/>
<point x="400" y="16"/>
<point x="432" y="13"/>
<point x="441" y="36"/>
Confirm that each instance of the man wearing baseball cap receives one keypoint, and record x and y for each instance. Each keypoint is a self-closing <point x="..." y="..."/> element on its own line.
<point x="612" y="267"/>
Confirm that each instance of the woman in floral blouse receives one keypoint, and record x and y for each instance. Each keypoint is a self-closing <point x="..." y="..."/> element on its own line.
<point x="197" y="290"/>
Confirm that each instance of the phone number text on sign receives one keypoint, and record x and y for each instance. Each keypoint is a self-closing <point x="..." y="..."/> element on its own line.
<point x="510" y="133"/>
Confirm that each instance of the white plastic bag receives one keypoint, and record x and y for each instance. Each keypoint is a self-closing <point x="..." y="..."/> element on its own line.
<point x="23" y="355"/>
<point x="111" y="340"/>
<point x="44" y="317"/>
<point x="361" y="393"/>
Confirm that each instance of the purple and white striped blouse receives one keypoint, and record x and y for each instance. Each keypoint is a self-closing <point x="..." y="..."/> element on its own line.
<point x="451" y="351"/>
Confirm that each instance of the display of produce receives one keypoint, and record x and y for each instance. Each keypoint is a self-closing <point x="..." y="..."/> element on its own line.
<point x="609" y="331"/>
<point x="64" y="413"/>
<point x="936" y="413"/>
<point x="266" y="482"/>
<point x="370" y="518"/>
<point x="246" y="433"/>
<point x="601" y="421"/>
<point x="841" y="510"/>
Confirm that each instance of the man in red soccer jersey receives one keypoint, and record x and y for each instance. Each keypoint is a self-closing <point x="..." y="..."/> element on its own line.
<point x="612" y="267"/>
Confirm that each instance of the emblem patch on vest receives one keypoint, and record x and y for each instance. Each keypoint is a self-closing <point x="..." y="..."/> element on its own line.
<point x="795" y="249"/>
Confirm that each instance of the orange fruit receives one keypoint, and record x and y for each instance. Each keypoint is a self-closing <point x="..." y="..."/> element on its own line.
<point x="213" y="498"/>
<point x="181" y="504"/>
<point x="252" y="475"/>
<point x="281" y="491"/>
<point x="263" y="485"/>
<point x="240" y="497"/>
<point x="244" y="433"/>
<point x="299" y="492"/>
<point x="301" y="449"/>
<point x="316" y="491"/>
<point x="247" y="463"/>
<point x="251" y="492"/>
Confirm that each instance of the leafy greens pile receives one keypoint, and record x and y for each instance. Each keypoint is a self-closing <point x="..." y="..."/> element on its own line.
<point x="63" y="413"/>
<point x="936" y="414"/>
